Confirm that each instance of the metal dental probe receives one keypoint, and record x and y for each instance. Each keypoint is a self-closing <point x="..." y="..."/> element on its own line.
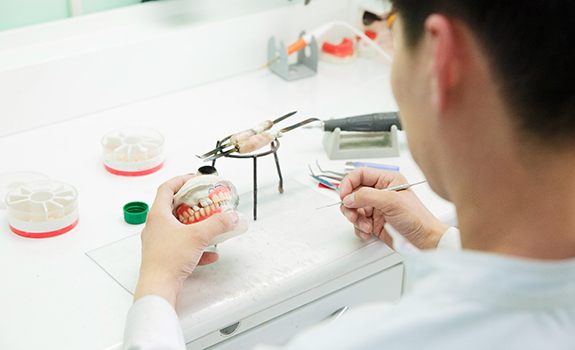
<point x="388" y="189"/>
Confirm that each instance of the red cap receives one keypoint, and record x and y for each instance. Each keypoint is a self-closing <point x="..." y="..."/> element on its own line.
<point x="371" y="34"/>
<point x="343" y="49"/>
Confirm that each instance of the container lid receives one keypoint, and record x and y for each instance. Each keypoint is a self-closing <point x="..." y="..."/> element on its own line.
<point x="135" y="213"/>
<point x="133" y="151"/>
<point x="12" y="180"/>
<point x="43" y="200"/>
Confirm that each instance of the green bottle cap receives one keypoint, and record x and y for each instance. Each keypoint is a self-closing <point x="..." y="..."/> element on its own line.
<point x="135" y="213"/>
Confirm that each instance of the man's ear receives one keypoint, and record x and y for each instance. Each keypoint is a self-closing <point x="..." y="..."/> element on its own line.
<point x="445" y="65"/>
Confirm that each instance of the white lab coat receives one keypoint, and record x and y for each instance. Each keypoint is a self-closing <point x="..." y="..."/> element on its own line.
<point x="454" y="300"/>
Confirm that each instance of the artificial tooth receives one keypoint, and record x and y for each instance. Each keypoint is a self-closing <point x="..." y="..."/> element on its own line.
<point x="209" y="201"/>
<point x="187" y="213"/>
<point x="196" y="208"/>
<point x="204" y="203"/>
<point x="197" y="215"/>
<point x="208" y="209"/>
<point x="181" y="218"/>
<point x="202" y="212"/>
<point x="213" y="207"/>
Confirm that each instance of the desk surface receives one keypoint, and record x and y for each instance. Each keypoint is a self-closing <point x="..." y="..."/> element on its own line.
<point x="53" y="295"/>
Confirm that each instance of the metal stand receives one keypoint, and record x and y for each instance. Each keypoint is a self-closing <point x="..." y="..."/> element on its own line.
<point x="274" y="145"/>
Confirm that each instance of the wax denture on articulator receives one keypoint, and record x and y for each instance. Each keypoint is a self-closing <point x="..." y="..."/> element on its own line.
<point x="205" y="195"/>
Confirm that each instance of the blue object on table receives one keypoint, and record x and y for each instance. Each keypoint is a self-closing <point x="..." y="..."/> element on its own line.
<point x="353" y="165"/>
<point x="325" y="183"/>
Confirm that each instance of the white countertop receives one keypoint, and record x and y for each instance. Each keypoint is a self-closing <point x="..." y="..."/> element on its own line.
<point x="53" y="296"/>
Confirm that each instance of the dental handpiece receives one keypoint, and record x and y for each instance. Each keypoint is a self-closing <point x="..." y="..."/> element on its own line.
<point x="368" y="122"/>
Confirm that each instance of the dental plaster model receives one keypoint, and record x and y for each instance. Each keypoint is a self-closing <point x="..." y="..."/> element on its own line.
<point x="204" y="195"/>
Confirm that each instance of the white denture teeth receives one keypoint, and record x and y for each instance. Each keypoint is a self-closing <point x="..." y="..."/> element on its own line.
<point x="202" y="212"/>
<point x="196" y="208"/>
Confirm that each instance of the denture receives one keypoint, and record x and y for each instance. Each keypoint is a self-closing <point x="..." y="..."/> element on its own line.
<point x="204" y="195"/>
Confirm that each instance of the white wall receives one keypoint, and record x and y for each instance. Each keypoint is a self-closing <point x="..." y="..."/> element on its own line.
<point x="53" y="72"/>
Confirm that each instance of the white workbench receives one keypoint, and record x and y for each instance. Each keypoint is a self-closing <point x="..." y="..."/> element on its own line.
<point x="53" y="296"/>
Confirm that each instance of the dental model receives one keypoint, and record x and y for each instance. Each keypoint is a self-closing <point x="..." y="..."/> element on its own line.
<point x="204" y="195"/>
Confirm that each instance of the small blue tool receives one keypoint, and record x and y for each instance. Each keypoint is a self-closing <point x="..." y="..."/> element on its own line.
<point x="352" y="165"/>
<point x="325" y="183"/>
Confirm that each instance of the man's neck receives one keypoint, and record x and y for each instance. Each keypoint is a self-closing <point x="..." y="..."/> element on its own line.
<point x="522" y="211"/>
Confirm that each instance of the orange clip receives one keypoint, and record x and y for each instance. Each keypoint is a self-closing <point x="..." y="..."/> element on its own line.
<point x="295" y="47"/>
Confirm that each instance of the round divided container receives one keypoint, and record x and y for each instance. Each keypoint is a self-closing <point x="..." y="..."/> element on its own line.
<point x="42" y="209"/>
<point x="133" y="151"/>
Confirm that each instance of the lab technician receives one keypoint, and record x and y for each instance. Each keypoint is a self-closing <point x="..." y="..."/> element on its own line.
<point x="486" y="90"/>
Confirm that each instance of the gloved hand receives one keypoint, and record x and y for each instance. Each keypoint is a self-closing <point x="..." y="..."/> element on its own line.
<point x="368" y="208"/>
<point x="172" y="250"/>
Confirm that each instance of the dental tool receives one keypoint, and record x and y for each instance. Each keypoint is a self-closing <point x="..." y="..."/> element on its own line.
<point x="243" y="135"/>
<point x="321" y="180"/>
<point x="366" y="122"/>
<point x="248" y="141"/>
<point x="388" y="189"/>
<point x="326" y="183"/>
<point x="333" y="175"/>
<point x="349" y="166"/>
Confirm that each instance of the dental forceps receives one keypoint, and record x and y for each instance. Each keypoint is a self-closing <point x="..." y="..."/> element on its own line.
<point x="251" y="140"/>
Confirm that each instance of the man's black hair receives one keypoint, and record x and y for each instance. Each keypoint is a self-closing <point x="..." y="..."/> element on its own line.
<point x="531" y="48"/>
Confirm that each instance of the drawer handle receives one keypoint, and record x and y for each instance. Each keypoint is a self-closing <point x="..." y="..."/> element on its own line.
<point x="229" y="330"/>
<point x="337" y="314"/>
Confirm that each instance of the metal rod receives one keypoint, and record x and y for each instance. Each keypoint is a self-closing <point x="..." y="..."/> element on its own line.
<point x="281" y="184"/>
<point x="338" y="174"/>
<point x="274" y="146"/>
<point x="217" y="146"/>
<point x="255" y="188"/>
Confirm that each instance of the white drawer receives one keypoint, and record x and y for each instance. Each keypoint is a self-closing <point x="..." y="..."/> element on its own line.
<point x="382" y="286"/>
